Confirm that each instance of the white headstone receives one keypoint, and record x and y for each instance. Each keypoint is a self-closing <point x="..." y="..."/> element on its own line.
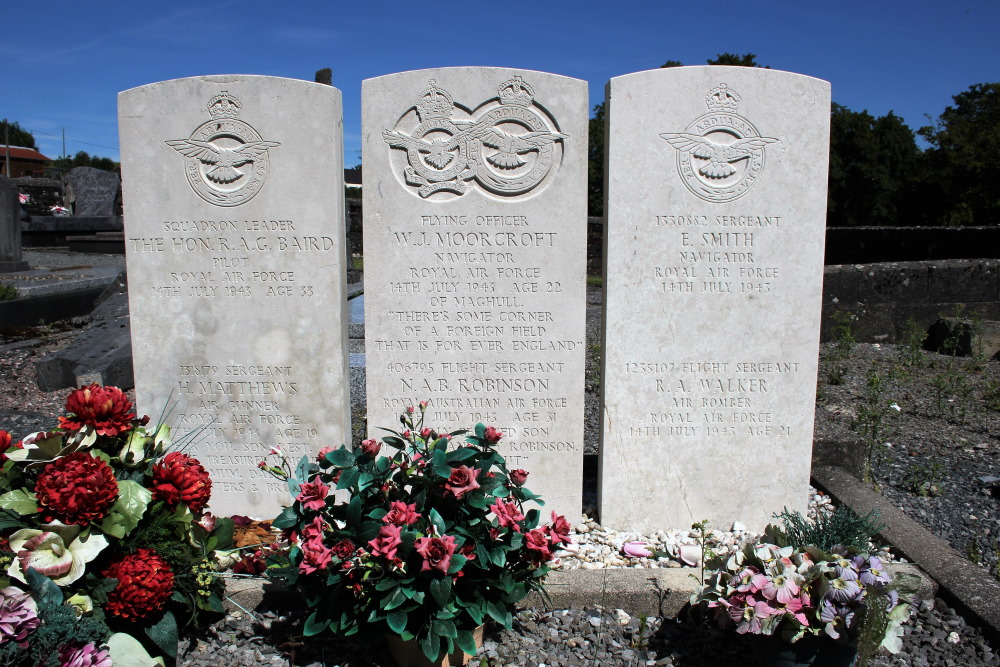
<point x="716" y="202"/>
<point x="234" y="215"/>
<point x="475" y="286"/>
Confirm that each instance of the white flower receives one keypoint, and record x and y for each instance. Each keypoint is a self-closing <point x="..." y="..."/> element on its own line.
<point x="895" y="406"/>
<point x="57" y="552"/>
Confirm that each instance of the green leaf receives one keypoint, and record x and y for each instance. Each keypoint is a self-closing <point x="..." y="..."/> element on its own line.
<point x="480" y="431"/>
<point x="20" y="501"/>
<point x="342" y="458"/>
<point x="44" y="588"/>
<point x="164" y="634"/>
<point x="386" y="584"/>
<point x="354" y="510"/>
<point x="457" y="561"/>
<point x="396" y="621"/>
<point x="437" y="521"/>
<point x="445" y="628"/>
<point x="441" y="590"/>
<point x="223" y="533"/>
<point x="315" y="624"/>
<point x="9" y="520"/>
<point x="462" y="454"/>
<point x="475" y="612"/>
<point x="348" y="477"/>
<point x="125" y="514"/>
<point x="477" y="500"/>
<point x="499" y="613"/>
<point x="467" y="642"/>
<point x="498" y="557"/>
<point x="430" y="644"/>
<point x="365" y="480"/>
<point x="287" y="519"/>
<point x="395" y="600"/>
<point x="303" y="469"/>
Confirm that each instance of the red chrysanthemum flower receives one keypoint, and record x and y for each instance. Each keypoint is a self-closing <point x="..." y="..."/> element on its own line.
<point x="76" y="489"/>
<point x="145" y="582"/>
<point x="105" y="408"/>
<point x="179" y="478"/>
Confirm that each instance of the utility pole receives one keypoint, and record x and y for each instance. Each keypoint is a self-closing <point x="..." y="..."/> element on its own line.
<point x="6" y="147"/>
<point x="64" y="142"/>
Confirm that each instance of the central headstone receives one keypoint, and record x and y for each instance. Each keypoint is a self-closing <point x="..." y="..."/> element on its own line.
<point x="235" y="251"/>
<point x="475" y="233"/>
<point x="716" y="201"/>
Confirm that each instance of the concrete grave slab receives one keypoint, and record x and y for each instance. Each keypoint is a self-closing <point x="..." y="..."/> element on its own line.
<point x="716" y="204"/>
<point x="234" y="205"/>
<point x="475" y="244"/>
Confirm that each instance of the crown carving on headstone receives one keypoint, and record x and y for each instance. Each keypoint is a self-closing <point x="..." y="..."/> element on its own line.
<point x="516" y="92"/>
<point x="722" y="98"/>
<point x="224" y="105"/>
<point x="434" y="103"/>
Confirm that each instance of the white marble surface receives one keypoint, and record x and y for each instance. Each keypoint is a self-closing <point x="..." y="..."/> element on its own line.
<point x="716" y="214"/>
<point x="235" y="254"/>
<point x="475" y="233"/>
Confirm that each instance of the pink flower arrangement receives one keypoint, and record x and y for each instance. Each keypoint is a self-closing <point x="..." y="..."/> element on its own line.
<point x="437" y="527"/>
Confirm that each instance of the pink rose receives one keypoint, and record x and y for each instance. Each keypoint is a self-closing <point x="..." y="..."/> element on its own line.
<point x="462" y="480"/>
<point x="312" y="494"/>
<point x="387" y="542"/>
<point x="401" y="514"/>
<point x="560" y="529"/>
<point x="371" y="447"/>
<point x="344" y="549"/>
<point x="315" y="556"/>
<point x="518" y="477"/>
<point x="537" y="541"/>
<point x="313" y="532"/>
<point x="493" y="435"/>
<point x="507" y="514"/>
<point x="321" y="457"/>
<point x="437" y="552"/>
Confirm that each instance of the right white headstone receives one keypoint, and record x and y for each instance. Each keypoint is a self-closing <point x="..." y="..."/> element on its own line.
<point x="716" y="203"/>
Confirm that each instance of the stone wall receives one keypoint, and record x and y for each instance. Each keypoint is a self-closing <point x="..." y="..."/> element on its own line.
<point x="884" y="296"/>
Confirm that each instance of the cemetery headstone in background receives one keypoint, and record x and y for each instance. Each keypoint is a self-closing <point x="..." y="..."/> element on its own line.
<point x="475" y="233"/>
<point x="716" y="205"/>
<point x="235" y="253"/>
<point x="10" y="228"/>
<point x="92" y="192"/>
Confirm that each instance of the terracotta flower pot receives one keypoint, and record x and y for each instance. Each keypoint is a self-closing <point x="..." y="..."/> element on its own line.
<point x="408" y="653"/>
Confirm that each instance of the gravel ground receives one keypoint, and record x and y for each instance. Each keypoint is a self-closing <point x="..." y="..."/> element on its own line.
<point x="945" y="437"/>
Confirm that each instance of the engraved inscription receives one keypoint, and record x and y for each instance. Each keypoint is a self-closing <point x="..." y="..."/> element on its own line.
<point x="225" y="158"/>
<point x="720" y="155"/>
<point x="509" y="149"/>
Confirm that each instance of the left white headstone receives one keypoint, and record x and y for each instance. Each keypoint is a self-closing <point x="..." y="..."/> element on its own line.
<point x="234" y="207"/>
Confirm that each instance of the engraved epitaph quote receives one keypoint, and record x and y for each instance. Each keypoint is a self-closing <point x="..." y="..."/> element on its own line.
<point x="474" y="272"/>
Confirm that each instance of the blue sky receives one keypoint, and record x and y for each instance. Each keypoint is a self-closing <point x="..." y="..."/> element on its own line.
<point x="64" y="62"/>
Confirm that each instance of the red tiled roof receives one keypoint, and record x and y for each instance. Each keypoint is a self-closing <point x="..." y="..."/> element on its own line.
<point x="19" y="153"/>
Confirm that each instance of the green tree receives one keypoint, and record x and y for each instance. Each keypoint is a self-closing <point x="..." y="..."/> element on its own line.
<point x="744" y="60"/>
<point x="17" y="135"/>
<point x="85" y="159"/>
<point x="875" y="166"/>
<point x="964" y="159"/>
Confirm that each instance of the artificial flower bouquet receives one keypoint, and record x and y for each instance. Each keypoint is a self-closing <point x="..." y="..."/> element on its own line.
<point x="103" y="541"/>
<point x="773" y="588"/>
<point x="426" y="541"/>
